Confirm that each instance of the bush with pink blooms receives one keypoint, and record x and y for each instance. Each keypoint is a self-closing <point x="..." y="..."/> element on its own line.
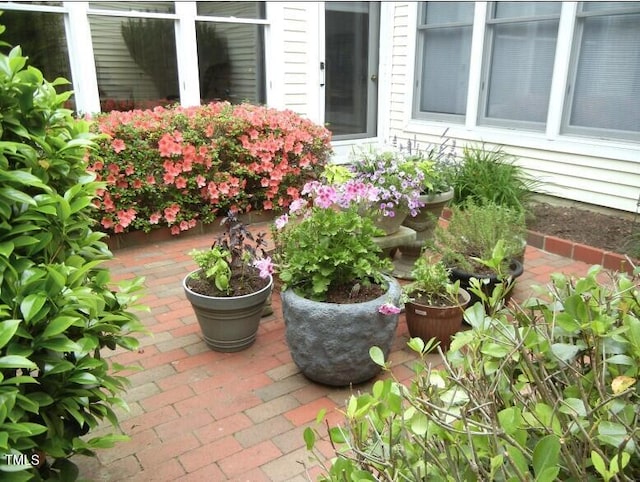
<point x="179" y="166"/>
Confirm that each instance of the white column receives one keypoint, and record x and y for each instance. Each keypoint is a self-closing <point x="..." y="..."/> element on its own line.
<point x="81" y="59"/>
<point x="559" y="79"/>
<point x="187" y="53"/>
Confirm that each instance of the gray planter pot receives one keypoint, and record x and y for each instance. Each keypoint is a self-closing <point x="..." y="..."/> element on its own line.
<point x="228" y="323"/>
<point x="330" y="342"/>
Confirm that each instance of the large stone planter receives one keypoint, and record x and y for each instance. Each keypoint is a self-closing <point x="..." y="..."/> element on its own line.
<point x="228" y="323"/>
<point x="330" y="342"/>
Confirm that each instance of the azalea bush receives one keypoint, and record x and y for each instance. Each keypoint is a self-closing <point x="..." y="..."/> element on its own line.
<point x="179" y="166"/>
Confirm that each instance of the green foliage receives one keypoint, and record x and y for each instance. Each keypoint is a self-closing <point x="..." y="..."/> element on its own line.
<point x="58" y="307"/>
<point x="431" y="283"/>
<point x="328" y="247"/>
<point x="474" y="230"/>
<point x="214" y="264"/>
<point x="492" y="176"/>
<point x="548" y="391"/>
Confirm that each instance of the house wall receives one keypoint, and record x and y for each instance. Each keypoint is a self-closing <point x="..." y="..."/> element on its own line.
<point x="589" y="170"/>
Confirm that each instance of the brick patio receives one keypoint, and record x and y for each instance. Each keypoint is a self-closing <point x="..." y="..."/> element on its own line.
<point x="200" y="415"/>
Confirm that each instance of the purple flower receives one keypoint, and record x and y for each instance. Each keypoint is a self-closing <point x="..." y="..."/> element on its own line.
<point x="265" y="266"/>
<point x="282" y="221"/>
<point x="297" y="205"/>
<point x="389" y="309"/>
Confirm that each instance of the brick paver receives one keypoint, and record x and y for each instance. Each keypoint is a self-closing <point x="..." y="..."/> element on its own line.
<point x="202" y="415"/>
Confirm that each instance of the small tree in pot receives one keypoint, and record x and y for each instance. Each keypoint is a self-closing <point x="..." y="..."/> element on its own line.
<point x="435" y="305"/>
<point x="229" y="290"/>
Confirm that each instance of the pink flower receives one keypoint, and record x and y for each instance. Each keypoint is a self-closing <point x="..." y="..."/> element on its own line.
<point x="118" y="145"/>
<point x="265" y="266"/>
<point x="297" y="205"/>
<point x="282" y="221"/>
<point x="388" y="309"/>
<point x="155" y="218"/>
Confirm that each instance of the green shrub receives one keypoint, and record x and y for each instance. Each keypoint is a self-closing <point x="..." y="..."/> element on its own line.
<point x="57" y="306"/>
<point x="473" y="231"/>
<point x="544" y="392"/>
<point x="174" y="167"/>
<point x="492" y="176"/>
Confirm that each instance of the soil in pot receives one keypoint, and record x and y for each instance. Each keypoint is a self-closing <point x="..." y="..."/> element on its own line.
<point x="515" y="270"/>
<point x="244" y="280"/>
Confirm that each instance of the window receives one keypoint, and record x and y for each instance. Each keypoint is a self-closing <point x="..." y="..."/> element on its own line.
<point x="42" y="38"/>
<point x="443" y="55"/>
<point x="605" y="96"/>
<point x="231" y="55"/>
<point x="135" y="57"/>
<point x="519" y="56"/>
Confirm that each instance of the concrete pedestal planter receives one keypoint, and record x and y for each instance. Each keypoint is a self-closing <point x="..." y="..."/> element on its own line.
<point x="330" y="342"/>
<point x="228" y="323"/>
<point x="425" y="222"/>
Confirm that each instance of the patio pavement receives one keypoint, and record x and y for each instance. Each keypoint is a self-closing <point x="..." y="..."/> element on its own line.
<point x="199" y="415"/>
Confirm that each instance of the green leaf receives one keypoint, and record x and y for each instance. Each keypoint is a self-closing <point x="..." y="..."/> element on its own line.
<point x="377" y="356"/>
<point x="546" y="455"/>
<point x="6" y="248"/>
<point x="612" y="433"/>
<point x="309" y="438"/>
<point x="15" y="361"/>
<point x="8" y="328"/>
<point x="31" y="305"/>
<point x="58" y="325"/>
<point x="565" y="351"/>
<point x="510" y="419"/>
<point x="17" y="196"/>
<point x="573" y="406"/>
<point x="599" y="465"/>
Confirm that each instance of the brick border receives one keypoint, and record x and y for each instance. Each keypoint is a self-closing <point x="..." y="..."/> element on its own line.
<point x="579" y="252"/>
<point x="140" y="238"/>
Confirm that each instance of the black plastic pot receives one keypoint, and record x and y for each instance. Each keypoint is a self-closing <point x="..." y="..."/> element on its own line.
<point x="515" y="270"/>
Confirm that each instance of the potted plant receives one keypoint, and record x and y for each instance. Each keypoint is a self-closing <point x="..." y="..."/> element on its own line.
<point x="398" y="188"/>
<point x="337" y="300"/>
<point x="483" y="242"/>
<point x="436" y="166"/>
<point x="434" y="306"/>
<point x="227" y="291"/>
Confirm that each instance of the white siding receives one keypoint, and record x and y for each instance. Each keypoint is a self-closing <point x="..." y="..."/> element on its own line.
<point x="593" y="171"/>
<point x="300" y="51"/>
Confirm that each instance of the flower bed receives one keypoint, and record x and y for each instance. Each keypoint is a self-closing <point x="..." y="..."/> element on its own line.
<point x="177" y="167"/>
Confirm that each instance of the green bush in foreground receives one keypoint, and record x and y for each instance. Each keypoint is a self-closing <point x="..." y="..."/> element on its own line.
<point x="548" y="391"/>
<point x="57" y="306"/>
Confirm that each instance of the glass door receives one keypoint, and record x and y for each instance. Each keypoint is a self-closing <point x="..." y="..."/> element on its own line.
<point x="351" y="68"/>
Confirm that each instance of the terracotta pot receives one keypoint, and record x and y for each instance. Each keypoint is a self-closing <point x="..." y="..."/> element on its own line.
<point x="330" y="342"/>
<point x="439" y="322"/>
<point x="228" y="323"/>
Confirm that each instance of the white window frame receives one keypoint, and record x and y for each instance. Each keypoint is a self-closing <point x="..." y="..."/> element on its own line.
<point x="483" y="119"/>
<point x="419" y="62"/>
<point x="572" y="64"/>
<point x="82" y="60"/>
<point x="553" y="138"/>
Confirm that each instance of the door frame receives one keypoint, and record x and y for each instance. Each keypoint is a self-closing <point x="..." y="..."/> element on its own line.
<point x="344" y="147"/>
